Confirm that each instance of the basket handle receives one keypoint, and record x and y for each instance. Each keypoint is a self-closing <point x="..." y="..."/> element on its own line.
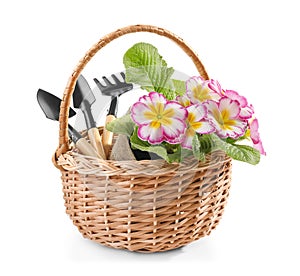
<point x="65" y="104"/>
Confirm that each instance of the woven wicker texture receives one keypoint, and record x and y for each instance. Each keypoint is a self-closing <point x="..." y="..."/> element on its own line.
<point x="145" y="206"/>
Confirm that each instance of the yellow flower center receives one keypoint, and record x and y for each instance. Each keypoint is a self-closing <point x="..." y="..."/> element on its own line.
<point x="223" y="119"/>
<point x="192" y="125"/>
<point x="201" y="93"/>
<point x="158" y="115"/>
<point x="191" y="117"/>
<point x="196" y="125"/>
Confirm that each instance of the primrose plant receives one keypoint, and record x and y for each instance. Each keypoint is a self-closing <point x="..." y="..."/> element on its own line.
<point x="177" y="119"/>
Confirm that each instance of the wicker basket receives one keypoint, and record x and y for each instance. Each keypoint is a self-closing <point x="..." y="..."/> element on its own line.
<point x="148" y="205"/>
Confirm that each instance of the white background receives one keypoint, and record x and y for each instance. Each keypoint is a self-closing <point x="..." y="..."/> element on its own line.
<point x="250" y="46"/>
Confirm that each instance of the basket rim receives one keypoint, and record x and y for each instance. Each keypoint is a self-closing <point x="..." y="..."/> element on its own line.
<point x="74" y="161"/>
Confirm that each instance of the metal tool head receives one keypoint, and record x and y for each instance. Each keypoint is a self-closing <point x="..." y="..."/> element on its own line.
<point x="82" y="93"/>
<point x="114" y="89"/>
<point x="50" y="105"/>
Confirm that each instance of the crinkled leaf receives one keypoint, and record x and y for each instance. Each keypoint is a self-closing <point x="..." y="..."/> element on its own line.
<point x="238" y="152"/>
<point x="241" y="138"/>
<point x="207" y="143"/>
<point x="196" y="147"/>
<point x="122" y="125"/>
<point x="179" y="87"/>
<point x="146" y="67"/>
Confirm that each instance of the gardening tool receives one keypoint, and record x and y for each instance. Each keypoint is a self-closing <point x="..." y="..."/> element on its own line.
<point x="50" y="104"/>
<point x="83" y="98"/>
<point x="114" y="90"/>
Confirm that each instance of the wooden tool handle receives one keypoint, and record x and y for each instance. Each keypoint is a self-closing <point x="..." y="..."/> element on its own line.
<point x="64" y="145"/>
<point x="96" y="142"/>
<point x="107" y="136"/>
<point x="85" y="148"/>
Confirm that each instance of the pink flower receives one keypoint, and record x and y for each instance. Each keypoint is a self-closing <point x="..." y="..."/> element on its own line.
<point x="199" y="90"/>
<point x="225" y="118"/>
<point x="246" y="111"/>
<point x="255" y="137"/>
<point x="197" y="121"/>
<point x="159" y="120"/>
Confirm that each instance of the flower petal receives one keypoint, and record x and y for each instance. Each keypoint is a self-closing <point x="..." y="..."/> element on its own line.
<point x="198" y="112"/>
<point x="174" y="130"/>
<point x="175" y="110"/>
<point x="229" y="108"/>
<point x="188" y="139"/>
<point x="183" y="100"/>
<point x="213" y="108"/>
<point x="246" y="113"/>
<point x="176" y="140"/>
<point x="193" y="82"/>
<point x="138" y="111"/>
<point x="235" y="132"/>
<point x="203" y="127"/>
<point x="151" y="134"/>
<point x="215" y="86"/>
<point x="153" y="98"/>
<point x="254" y="134"/>
<point x="260" y="148"/>
<point x="157" y="97"/>
<point x="233" y="95"/>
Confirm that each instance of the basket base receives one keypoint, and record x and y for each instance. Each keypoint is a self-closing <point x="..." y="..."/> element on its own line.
<point x="163" y="244"/>
<point x="182" y="209"/>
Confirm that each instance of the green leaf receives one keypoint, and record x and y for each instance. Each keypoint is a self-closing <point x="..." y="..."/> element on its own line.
<point x="238" y="152"/>
<point x="168" y="93"/>
<point x="196" y="147"/>
<point x="179" y="87"/>
<point x="137" y="143"/>
<point x="207" y="143"/>
<point x="122" y="125"/>
<point x="170" y="153"/>
<point x="233" y="141"/>
<point x="146" y="67"/>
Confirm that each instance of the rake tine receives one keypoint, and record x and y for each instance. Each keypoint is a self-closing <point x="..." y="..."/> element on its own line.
<point x="115" y="78"/>
<point x="123" y="75"/>
<point x="117" y="88"/>
<point x="107" y="81"/>
<point x="99" y="84"/>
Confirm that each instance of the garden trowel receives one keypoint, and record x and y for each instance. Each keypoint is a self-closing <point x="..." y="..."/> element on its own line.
<point x="83" y="98"/>
<point x="50" y="105"/>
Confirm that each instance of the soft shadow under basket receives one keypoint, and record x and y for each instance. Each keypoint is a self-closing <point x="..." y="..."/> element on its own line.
<point x="147" y="205"/>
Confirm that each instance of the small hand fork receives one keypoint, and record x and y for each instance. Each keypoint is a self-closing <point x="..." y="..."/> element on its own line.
<point x="114" y="90"/>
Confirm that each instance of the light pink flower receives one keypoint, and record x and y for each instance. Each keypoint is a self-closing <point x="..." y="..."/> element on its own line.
<point x="225" y="118"/>
<point x="199" y="90"/>
<point x="246" y="110"/>
<point x="255" y="137"/>
<point x="197" y="121"/>
<point x="158" y="120"/>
